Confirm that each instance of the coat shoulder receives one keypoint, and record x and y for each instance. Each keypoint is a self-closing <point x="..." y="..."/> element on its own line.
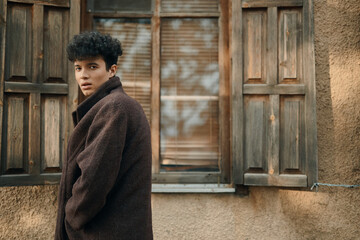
<point x="118" y="100"/>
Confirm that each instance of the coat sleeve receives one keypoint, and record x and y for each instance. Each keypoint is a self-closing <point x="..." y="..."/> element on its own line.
<point x="99" y="163"/>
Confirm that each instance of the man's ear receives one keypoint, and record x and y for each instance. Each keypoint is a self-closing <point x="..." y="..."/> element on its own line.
<point x="113" y="70"/>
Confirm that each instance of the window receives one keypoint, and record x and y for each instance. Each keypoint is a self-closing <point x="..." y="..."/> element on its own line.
<point x="190" y="93"/>
<point x="135" y="64"/>
<point x="171" y="65"/>
<point x="119" y="5"/>
<point x="228" y="87"/>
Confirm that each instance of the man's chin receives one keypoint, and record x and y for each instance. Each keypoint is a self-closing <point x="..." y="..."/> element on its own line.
<point x="87" y="93"/>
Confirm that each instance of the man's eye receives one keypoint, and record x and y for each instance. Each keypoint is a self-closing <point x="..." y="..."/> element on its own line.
<point x="77" y="69"/>
<point x="93" y="67"/>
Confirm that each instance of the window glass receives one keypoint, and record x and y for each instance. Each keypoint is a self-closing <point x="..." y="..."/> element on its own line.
<point x="134" y="66"/>
<point x="192" y="6"/>
<point x="189" y="135"/>
<point x="118" y="5"/>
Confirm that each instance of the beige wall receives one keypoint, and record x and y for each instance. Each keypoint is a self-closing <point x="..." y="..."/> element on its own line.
<point x="266" y="213"/>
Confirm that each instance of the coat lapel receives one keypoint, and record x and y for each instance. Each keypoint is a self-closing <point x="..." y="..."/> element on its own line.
<point x="100" y="93"/>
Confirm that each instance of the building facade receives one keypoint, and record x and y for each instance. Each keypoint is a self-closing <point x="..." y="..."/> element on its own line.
<point x="249" y="101"/>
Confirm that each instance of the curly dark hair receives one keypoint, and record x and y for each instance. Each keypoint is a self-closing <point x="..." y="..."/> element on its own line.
<point x="94" y="44"/>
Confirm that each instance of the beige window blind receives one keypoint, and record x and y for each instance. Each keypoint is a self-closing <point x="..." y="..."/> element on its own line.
<point x="190" y="6"/>
<point x="189" y="135"/>
<point x="118" y="5"/>
<point x="134" y="66"/>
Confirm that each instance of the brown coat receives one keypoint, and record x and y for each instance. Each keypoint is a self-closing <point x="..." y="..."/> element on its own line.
<point x="105" y="188"/>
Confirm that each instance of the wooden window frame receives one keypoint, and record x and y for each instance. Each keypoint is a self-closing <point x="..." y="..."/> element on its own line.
<point x="224" y="175"/>
<point x="224" y="111"/>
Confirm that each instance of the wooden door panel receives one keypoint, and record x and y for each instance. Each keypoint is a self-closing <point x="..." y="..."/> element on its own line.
<point x="18" y="43"/>
<point x="255" y="125"/>
<point x="290" y="46"/>
<point x="16" y="133"/>
<point x="55" y="41"/>
<point x="254" y="38"/>
<point x="52" y="139"/>
<point x="292" y="132"/>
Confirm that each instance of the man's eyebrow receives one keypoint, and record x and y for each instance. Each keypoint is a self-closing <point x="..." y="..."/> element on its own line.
<point x="88" y="64"/>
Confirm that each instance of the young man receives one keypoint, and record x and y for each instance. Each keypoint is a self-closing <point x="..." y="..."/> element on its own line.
<point x="105" y="187"/>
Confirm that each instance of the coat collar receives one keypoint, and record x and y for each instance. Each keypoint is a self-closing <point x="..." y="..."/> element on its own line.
<point x="100" y="93"/>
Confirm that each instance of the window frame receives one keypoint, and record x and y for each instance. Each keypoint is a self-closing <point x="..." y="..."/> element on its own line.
<point x="231" y="93"/>
<point x="224" y="111"/>
<point x="224" y="175"/>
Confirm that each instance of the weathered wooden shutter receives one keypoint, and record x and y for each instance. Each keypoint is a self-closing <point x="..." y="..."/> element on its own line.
<point x="273" y="93"/>
<point x="38" y="90"/>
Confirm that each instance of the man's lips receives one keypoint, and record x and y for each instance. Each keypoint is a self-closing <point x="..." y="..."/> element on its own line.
<point x="86" y="86"/>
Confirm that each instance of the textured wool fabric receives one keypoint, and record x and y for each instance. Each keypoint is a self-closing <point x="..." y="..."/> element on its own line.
<point x="105" y="188"/>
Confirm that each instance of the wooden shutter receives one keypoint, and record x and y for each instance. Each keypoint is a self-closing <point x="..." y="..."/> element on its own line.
<point x="273" y="93"/>
<point x="38" y="90"/>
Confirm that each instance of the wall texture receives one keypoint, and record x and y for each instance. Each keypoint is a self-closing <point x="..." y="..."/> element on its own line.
<point x="266" y="213"/>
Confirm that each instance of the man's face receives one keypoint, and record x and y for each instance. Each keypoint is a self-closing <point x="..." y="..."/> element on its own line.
<point x="91" y="73"/>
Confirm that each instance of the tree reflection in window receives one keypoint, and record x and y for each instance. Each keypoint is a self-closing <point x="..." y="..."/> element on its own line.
<point x="189" y="135"/>
<point x="119" y="5"/>
<point x="134" y="67"/>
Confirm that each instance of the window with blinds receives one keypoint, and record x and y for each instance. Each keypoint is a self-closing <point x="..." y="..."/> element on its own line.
<point x="189" y="131"/>
<point x="175" y="64"/>
<point x="192" y="6"/>
<point x="134" y="66"/>
<point x="119" y="5"/>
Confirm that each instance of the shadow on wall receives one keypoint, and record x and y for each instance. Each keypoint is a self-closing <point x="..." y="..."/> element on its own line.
<point x="320" y="215"/>
<point x="332" y="213"/>
<point x="337" y="48"/>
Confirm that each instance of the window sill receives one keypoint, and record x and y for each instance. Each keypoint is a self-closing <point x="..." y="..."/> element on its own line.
<point x="192" y="188"/>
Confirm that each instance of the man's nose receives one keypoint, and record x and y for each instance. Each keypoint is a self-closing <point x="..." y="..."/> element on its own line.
<point x="84" y="74"/>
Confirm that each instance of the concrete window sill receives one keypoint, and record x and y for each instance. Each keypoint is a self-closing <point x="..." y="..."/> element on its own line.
<point x="192" y="188"/>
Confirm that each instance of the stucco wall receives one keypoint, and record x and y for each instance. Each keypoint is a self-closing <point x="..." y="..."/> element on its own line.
<point x="266" y="213"/>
